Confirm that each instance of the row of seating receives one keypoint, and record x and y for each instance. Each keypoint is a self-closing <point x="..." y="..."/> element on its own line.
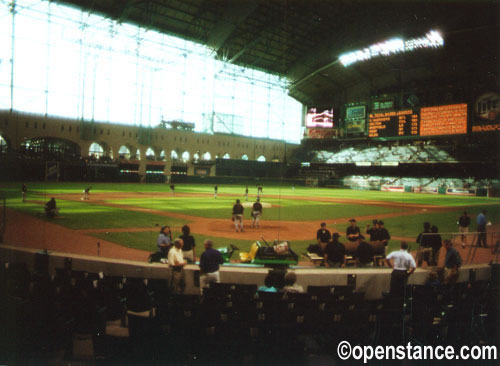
<point x="117" y="319"/>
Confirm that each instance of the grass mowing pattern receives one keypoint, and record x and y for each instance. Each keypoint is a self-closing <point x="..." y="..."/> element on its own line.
<point x="288" y="210"/>
<point x="80" y="215"/>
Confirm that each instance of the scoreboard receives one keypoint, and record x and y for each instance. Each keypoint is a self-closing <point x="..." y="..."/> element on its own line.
<point x="443" y="120"/>
<point x="428" y="121"/>
<point x="394" y="124"/>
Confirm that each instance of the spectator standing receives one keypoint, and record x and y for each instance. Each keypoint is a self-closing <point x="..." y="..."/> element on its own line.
<point x="164" y="241"/>
<point x="463" y="225"/>
<point x="238" y="216"/>
<point x="481" y="229"/>
<point x="403" y="266"/>
<point x="176" y="262"/>
<point x="335" y="252"/>
<point x="323" y="236"/>
<point x="256" y="213"/>
<point x="425" y="245"/>
<point x="209" y="265"/>
<point x="189" y="247"/>
<point x="452" y="262"/>
<point x="435" y="245"/>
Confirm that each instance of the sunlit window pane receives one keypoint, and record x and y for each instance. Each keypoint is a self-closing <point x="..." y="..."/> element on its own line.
<point x="72" y="63"/>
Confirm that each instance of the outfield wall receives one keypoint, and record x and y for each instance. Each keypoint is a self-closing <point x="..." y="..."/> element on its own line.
<point x="371" y="281"/>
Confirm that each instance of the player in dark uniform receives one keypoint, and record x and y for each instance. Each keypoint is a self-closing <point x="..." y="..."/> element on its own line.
<point x="256" y="213"/>
<point x="86" y="194"/>
<point x="383" y="235"/>
<point x="246" y="193"/>
<point x="238" y="216"/>
<point x="373" y="231"/>
<point x="51" y="209"/>
<point x="323" y="236"/>
<point x="216" y="188"/>
<point x="24" y="191"/>
<point x="352" y="232"/>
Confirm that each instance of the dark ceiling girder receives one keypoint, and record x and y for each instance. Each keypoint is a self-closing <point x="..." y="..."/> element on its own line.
<point x="234" y="13"/>
<point x="267" y="29"/>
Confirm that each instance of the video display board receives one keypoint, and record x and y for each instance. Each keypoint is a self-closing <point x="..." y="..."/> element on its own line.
<point x="316" y="119"/>
<point x="355" y="119"/>
<point x="443" y="120"/>
<point x="357" y="112"/>
<point x="382" y="104"/>
<point x="427" y="121"/>
<point x="487" y="113"/>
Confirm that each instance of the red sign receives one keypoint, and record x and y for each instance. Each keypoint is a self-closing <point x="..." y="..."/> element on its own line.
<point x="317" y="133"/>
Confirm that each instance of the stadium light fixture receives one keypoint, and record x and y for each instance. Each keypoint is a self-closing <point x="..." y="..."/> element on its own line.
<point x="432" y="39"/>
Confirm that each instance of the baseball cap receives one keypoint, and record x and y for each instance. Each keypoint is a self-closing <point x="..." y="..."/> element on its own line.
<point x="323" y="224"/>
<point x="352" y="220"/>
<point x="336" y="235"/>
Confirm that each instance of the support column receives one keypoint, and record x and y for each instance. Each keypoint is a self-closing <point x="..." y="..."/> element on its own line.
<point x="142" y="164"/>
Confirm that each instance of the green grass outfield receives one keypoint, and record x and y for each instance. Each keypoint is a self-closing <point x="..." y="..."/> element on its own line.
<point x="288" y="205"/>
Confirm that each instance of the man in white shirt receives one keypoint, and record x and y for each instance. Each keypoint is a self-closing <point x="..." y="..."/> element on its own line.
<point x="176" y="262"/>
<point x="404" y="265"/>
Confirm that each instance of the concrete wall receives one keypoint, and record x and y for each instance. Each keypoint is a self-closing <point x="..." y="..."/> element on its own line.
<point x="371" y="281"/>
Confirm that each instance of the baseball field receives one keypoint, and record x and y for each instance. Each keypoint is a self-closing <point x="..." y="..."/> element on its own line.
<point x="125" y="218"/>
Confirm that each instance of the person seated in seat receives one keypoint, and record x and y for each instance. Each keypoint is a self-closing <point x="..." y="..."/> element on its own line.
<point x="335" y="252"/>
<point x="51" y="209"/>
<point x="268" y="284"/>
<point x="364" y="253"/>
<point x="291" y="283"/>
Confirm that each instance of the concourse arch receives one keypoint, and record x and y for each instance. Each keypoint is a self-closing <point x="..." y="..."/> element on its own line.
<point x="124" y="152"/>
<point x="185" y="156"/>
